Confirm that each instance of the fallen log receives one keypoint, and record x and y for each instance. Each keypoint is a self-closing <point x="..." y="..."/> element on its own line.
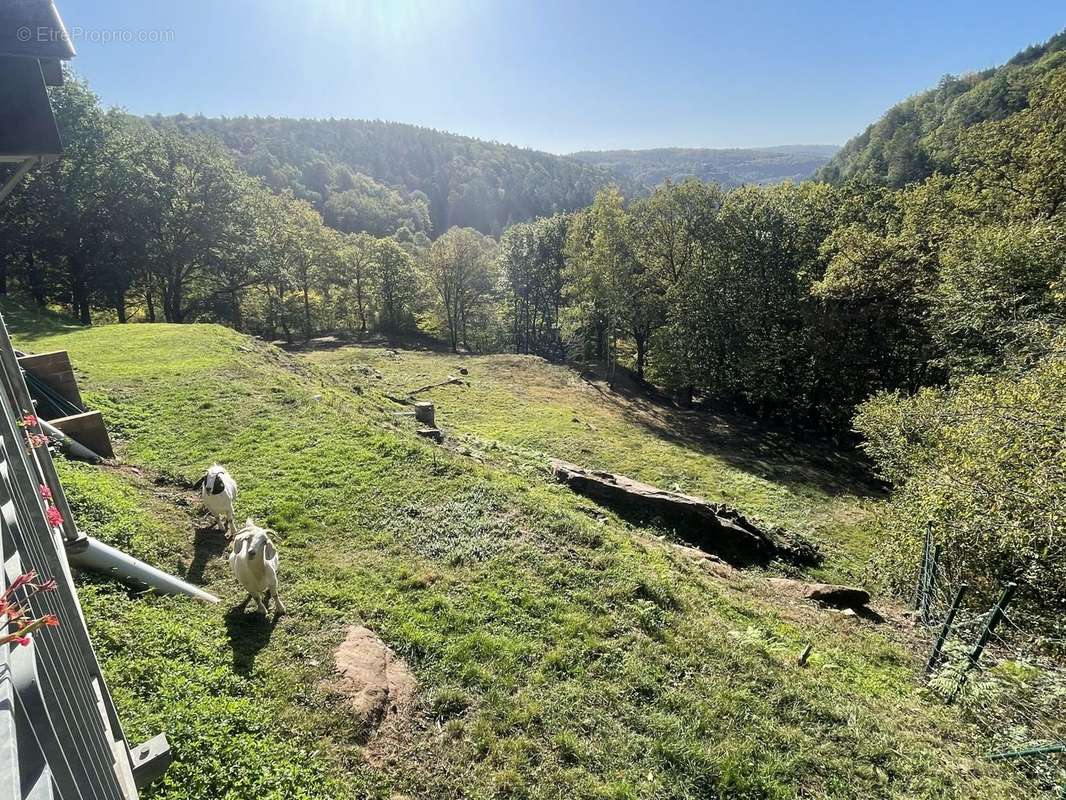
<point x="713" y="527"/>
<point x="451" y="379"/>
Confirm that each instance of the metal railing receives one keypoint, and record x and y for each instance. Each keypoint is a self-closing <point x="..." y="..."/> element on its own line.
<point x="60" y="735"/>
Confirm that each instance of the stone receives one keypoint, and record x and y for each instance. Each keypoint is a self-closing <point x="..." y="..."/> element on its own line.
<point x="374" y="680"/>
<point x="828" y="594"/>
<point x="837" y="596"/>
<point x="713" y="527"/>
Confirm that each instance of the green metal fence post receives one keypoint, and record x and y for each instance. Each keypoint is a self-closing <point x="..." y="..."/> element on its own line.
<point x="994" y="616"/>
<point x="945" y="629"/>
<point x="930" y="584"/>
<point x="920" y="588"/>
<point x="1060" y="747"/>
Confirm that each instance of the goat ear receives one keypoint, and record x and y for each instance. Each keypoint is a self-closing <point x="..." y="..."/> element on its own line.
<point x="270" y="552"/>
<point x="200" y="483"/>
<point x="238" y="544"/>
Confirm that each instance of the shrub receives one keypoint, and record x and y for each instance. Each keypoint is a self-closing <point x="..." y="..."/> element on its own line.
<point x="985" y="462"/>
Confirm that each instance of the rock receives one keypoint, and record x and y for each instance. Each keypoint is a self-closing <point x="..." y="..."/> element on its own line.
<point x="787" y="585"/>
<point x="375" y="681"/>
<point x="830" y="594"/>
<point x="716" y="528"/>
<point x="825" y="593"/>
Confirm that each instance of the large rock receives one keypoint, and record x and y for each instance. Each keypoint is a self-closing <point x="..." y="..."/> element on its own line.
<point x="714" y="527"/>
<point x="375" y="681"/>
<point x="837" y="596"/>
<point x="829" y="594"/>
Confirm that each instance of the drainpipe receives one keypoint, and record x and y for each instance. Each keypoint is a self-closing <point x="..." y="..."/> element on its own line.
<point x="89" y="553"/>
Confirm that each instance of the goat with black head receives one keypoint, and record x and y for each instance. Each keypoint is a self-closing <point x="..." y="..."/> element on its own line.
<point x="218" y="491"/>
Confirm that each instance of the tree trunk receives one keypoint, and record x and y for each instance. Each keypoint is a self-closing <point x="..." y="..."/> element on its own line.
<point x="307" y="314"/>
<point x="235" y="310"/>
<point x="149" y="304"/>
<point x="642" y="347"/>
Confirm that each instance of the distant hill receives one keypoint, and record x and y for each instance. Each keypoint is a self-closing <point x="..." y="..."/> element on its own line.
<point x="916" y="138"/>
<point x="384" y="176"/>
<point x="728" y="167"/>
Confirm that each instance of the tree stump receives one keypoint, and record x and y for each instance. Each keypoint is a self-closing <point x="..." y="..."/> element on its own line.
<point x="424" y="413"/>
<point x="436" y="434"/>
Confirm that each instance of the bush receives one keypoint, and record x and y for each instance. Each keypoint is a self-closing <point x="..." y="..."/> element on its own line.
<point x="985" y="462"/>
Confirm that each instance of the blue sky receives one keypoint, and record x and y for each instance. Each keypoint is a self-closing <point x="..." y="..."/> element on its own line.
<point x="553" y="75"/>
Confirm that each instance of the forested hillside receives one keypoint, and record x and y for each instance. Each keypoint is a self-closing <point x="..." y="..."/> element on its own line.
<point x="920" y="136"/>
<point x="726" y="167"/>
<point x="875" y="361"/>
<point x="794" y="303"/>
<point x="394" y="176"/>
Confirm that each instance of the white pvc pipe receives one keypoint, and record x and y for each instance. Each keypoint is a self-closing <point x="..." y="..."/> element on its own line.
<point x="103" y="558"/>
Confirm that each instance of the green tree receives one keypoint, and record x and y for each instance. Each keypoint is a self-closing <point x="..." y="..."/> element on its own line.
<point x="461" y="271"/>
<point x="532" y="258"/>
<point x="396" y="281"/>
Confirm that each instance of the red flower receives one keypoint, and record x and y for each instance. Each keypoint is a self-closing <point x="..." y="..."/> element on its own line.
<point x="51" y="620"/>
<point x="29" y="420"/>
<point x="23" y="579"/>
<point x="22" y="640"/>
<point x="46" y="493"/>
<point x="55" y="517"/>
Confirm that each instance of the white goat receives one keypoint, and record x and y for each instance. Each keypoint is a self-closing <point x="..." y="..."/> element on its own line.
<point x="254" y="562"/>
<point x="218" y="490"/>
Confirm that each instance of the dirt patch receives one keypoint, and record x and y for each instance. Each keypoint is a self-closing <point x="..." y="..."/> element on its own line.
<point x="377" y="685"/>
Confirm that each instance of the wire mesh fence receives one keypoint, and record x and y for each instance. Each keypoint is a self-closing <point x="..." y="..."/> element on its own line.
<point x="1003" y="666"/>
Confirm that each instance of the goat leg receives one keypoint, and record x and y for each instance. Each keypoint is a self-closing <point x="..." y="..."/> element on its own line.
<point x="279" y="607"/>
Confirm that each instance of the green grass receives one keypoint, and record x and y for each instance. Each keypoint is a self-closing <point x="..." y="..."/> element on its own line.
<point x="518" y="411"/>
<point x="561" y="652"/>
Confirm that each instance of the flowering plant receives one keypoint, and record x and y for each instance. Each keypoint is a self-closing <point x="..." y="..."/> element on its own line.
<point x="36" y="439"/>
<point x="16" y="620"/>
<point x="54" y="515"/>
<point x="46" y="493"/>
<point x="27" y="423"/>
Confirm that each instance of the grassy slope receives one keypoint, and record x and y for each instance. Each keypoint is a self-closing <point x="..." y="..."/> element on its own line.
<point x="558" y="655"/>
<point x="520" y="410"/>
